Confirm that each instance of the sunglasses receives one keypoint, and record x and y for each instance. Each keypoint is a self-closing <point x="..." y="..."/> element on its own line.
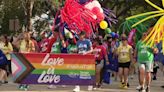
<point x="123" y="39"/>
<point x="109" y="37"/>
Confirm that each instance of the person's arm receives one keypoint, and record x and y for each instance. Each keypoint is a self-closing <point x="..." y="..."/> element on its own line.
<point x="17" y="41"/>
<point x="90" y="48"/>
<point x="10" y="47"/>
<point x="155" y="50"/>
<point x="107" y="60"/>
<point x="116" y="52"/>
<point x="75" y="51"/>
<point x="135" y="54"/>
<point x="131" y="55"/>
<point x="106" y="55"/>
<point x="136" y="51"/>
<point x="31" y="47"/>
<point x="89" y="51"/>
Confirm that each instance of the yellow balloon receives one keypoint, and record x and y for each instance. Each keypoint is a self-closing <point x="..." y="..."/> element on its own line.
<point x="153" y="5"/>
<point x="163" y="3"/>
<point x="103" y="24"/>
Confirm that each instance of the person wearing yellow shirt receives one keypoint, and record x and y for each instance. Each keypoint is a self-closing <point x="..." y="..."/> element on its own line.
<point x="124" y="53"/>
<point x="26" y="45"/>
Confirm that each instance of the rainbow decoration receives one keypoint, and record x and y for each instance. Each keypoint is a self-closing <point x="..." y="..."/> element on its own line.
<point x="156" y="35"/>
<point x="56" y="69"/>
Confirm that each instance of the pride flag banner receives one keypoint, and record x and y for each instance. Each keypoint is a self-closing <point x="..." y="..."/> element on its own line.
<point x="56" y="69"/>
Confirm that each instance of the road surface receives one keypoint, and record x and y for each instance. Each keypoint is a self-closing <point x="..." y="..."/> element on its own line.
<point x="113" y="87"/>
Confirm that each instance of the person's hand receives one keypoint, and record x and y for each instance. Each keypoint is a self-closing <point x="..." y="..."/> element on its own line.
<point x="133" y="61"/>
<point x="74" y="51"/>
<point x="7" y="53"/>
<point x="107" y="63"/>
<point x="95" y="50"/>
<point x="155" y="50"/>
<point x="84" y="53"/>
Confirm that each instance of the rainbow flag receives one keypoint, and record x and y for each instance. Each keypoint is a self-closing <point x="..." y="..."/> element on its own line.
<point x="56" y="69"/>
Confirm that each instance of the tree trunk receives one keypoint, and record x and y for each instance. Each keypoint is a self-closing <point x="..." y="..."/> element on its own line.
<point x="29" y="7"/>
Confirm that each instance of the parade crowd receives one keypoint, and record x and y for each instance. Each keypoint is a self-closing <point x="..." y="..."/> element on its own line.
<point x="112" y="52"/>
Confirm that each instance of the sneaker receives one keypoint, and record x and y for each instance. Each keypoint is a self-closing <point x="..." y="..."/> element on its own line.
<point x="132" y="77"/>
<point x="125" y="87"/>
<point x="128" y="85"/>
<point x="25" y="89"/>
<point x="90" y="88"/>
<point x="112" y="74"/>
<point x="20" y="87"/>
<point x="154" y="78"/>
<point x="99" y="86"/>
<point x="121" y="85"/>
<point x="26" y="86"/>
<point x="76" y="89"/>
<point x="141" y="89"/>
<point x="162" y="86"/>
<point x="63" y="86"/>
<point x="148" y="89"/>
<point x="5" y="82"/>
<point x="95" y="88"/>
<point x="51" y="87"/>
<point x="0" y="83"/>
<point x="138" y="87"/>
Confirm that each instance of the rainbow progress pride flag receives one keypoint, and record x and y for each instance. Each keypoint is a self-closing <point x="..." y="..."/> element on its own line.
<point x="56" y="69"/>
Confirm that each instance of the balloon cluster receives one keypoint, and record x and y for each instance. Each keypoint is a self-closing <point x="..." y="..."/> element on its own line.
<point x="104" y="26"/>
<point x="156" y="35"/>
<point x="82" y="15"/>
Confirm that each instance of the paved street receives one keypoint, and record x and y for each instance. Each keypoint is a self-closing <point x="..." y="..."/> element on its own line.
<point x="155" y="87"/>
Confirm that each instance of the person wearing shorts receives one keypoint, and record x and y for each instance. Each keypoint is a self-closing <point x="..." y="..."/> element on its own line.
<point x="124" y="52"/>
<point x="100" y="53"/>
<point x="145" y="57"/>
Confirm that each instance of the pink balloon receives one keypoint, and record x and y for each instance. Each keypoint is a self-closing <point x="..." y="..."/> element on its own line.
<point x="130" y="37"/>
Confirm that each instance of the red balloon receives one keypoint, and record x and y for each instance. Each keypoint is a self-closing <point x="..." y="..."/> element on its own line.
<point x="100" y="16"/>
<point x="96" y="10"/>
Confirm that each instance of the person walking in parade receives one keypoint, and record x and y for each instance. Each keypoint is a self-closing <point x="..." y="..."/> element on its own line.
<point x="84" y="46"/>
<point x="100" y="54"/>
<point x="26" y="46"/>
<point x="145" y="57"/>
<point x="124" y="52"/>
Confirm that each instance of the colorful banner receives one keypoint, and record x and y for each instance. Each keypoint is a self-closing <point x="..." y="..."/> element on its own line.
<point x="56" y="69"/>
